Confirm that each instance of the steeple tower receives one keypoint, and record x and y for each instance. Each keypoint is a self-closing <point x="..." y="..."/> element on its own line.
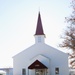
<point x="39" y="29"/>
<point x="39" y="34"/>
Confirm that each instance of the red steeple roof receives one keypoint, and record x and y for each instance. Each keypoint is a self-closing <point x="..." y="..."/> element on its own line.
<point x="39" y="29"/>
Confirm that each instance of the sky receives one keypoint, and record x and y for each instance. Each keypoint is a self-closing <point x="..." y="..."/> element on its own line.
<point x="18" y="20"/>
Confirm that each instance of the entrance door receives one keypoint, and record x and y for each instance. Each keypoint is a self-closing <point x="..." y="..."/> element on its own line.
<point x="39" y="72"/>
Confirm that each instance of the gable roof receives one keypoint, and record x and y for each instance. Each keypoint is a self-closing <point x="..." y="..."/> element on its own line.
<point x="39" y="29"/>
<point x="44" y="47"/>
<point x="37" y="65"/>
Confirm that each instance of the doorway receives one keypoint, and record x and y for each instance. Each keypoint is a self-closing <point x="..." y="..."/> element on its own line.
<point x="39" y="72"/>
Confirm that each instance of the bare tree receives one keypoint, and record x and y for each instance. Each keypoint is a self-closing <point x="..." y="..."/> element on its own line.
<point x="69" y="36"/>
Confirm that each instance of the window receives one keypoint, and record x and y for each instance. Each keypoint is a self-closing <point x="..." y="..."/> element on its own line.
<point x="39" y="39"/>
<point x="57" y="70"/>
<point x="23" y="71"/>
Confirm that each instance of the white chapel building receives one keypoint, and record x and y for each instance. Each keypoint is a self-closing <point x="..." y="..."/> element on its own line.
<point x="40" y="58"/>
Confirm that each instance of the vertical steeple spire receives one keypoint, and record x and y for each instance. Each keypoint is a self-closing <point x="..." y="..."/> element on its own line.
<point x="39" y="34"/>
<point x="39" y="28"/>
